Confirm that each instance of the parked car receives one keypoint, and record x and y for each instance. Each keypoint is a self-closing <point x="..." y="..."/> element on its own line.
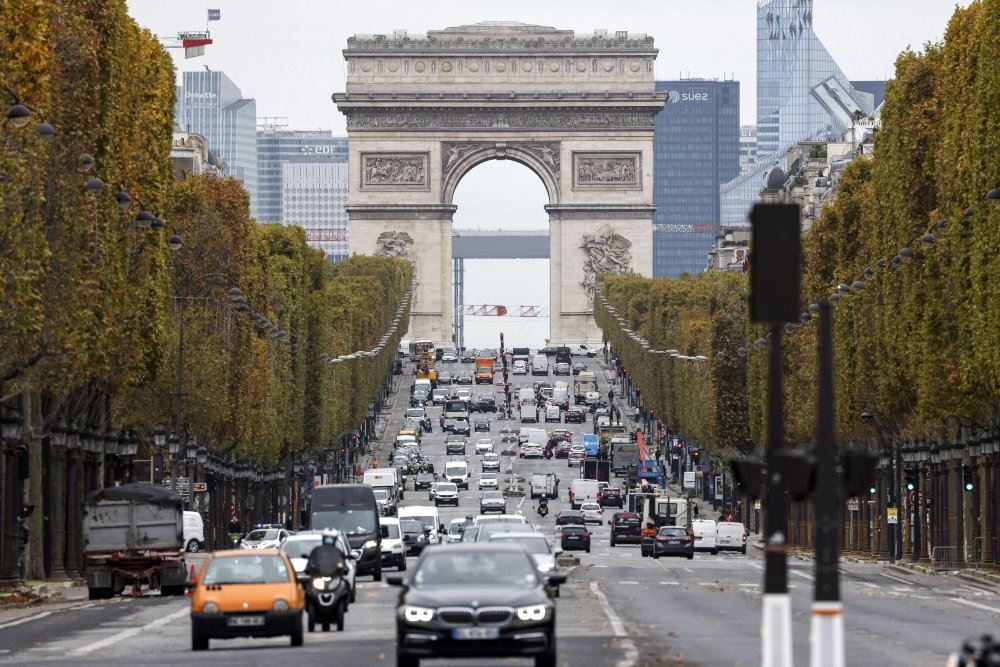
<point x="730" y="536"/>
<point x="673" y="541"/>
<point x="194" y="532"/>
<point x="574" y="537"/>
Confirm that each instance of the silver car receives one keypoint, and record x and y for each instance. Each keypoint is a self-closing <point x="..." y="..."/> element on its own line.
<point x="489" y="480"/>
<point x="535" y="544"/>
<point x="492" y="501"/>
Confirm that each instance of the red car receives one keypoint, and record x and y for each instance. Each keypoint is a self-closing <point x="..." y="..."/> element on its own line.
<point x="575" y="416"/>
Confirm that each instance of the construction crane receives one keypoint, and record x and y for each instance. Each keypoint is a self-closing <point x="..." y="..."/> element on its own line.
<point x="193" y="42"/>
<point x="502" y="311"/>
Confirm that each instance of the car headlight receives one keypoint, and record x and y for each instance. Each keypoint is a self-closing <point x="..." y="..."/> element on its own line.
<point x="280" y="605"/>
<point x="418" y="614"/>
<point x="535" y="612"/>
<point x="370" y="544"/>
<point x="545" y="567"/>
<point x="210" y="608"/>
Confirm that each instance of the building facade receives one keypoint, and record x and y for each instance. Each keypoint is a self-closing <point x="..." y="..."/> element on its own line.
<point x="748" y="146"/>
<point x="287" y="160"/>
<point x="210" y="104"/>
<point x="695" y="149"/>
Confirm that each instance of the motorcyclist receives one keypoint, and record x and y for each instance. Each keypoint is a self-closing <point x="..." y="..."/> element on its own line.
<point x="326" y="560"/>
<point x="543" y="506"/>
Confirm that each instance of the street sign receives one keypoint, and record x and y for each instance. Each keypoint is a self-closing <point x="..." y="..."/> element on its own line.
<point x="688" y="479"/>
<point x="852" y="505"/>
<point x="198" y="487"/>
<point x="719" y="494"/>
<point x="892" y="515"/>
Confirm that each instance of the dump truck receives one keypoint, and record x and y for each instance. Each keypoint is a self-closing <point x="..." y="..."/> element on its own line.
<point x="133" y="537"/>
<point x="586" y="383"/>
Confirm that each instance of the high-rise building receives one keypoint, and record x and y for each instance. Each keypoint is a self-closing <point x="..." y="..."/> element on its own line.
<point x="302" y="180"/>
<point x="748" y="146"/>
<point x="802" y="95"/>
<point x="210" y="104"/>
<point x="695" y="148"/>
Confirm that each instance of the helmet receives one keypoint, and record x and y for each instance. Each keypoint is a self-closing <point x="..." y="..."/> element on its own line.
<point x="329" y="537"/>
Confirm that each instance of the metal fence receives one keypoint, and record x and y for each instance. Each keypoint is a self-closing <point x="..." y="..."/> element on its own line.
<point x="944" y="558"/>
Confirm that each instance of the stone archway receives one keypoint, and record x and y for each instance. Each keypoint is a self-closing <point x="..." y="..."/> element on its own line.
<point x="578" y="111"/>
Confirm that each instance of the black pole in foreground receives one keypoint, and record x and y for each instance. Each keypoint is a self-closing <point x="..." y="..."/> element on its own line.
<point x="827" y="610"/>
<point x="775" y="559"/>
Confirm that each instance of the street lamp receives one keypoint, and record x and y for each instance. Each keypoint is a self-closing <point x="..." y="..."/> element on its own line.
<point x="173" y="445"/>
<point x="160" y="436"/>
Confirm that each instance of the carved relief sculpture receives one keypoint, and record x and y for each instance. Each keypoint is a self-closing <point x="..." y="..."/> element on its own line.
<point x="374" y="120"/>
<point x="393" y="244"/>
<point x="394" y="171"/>
<point x="546" y="153"/>
<point x="604" y="252"/>
<point x="606" y="171"/>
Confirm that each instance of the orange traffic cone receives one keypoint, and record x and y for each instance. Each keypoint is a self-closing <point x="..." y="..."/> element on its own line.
<point x="191" y="579"/>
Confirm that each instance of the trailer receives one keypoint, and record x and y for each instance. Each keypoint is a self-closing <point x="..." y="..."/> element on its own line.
<point x="133" y="537"/>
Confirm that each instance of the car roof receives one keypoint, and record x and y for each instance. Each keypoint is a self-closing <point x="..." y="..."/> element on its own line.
<point x="385" y="520"/>
<point x="233" y="553"/>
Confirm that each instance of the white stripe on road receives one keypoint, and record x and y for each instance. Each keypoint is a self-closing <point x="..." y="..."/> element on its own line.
<point x="894" y="578"/>
<point x="631" y="653"/>
<point x="634" y="583"/>
<point x="671" y="583"/>
<point x="869" y="584"/>
<point x="756" y="566"/>
<point x="27" y="619"/>
<point x="977" y="605"/>
<point x="804" y="575"/>
<point x="131" y="632"/>
<point x="977" y="589"/>
<point x="689" y="570"/>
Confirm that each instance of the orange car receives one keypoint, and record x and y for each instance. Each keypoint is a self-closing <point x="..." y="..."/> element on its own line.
<point x="242" y="593"/>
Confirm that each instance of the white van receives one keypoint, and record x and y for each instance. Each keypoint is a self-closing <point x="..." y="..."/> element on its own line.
<point x="731" y="536"/>
<point x="529" y="412"/>
<point x="539" y="365"/>
<point x="194" y="532"/>
<point x="404" y="349"/>
<point x="426" y="515"/>
<point x="457" y="472"/>
<point x="525" y="394"/>
<point x="583" y="491"/>
<point x="705" y="535"/>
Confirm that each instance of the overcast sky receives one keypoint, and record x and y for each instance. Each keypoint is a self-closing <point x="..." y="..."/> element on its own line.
<point x="287" y="54"/>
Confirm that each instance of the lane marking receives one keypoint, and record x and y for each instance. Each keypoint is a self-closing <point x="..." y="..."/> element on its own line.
<point x="631" y="653"/>
<point x="977" y="605"/>
<point x="756" y="566"/>
<point x="977" y="589"/>
<point x="689" y="570"/>
<point x="26" y="619"/>
<point x="671" y="583"/>
<point x="895" y="578"/>
<point x="131" y="632"/>
<point x="633" y="583"/>
<point x="869" y="584"/>
<point x="804" y="575"/>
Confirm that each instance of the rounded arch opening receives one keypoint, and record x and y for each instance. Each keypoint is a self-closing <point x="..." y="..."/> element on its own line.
<point x="506" y="196"/>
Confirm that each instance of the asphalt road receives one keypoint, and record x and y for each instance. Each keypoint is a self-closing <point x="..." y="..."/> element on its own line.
<point x="616" y="609"/>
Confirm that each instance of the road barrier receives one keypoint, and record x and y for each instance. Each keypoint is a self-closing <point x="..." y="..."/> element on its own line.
<point x="944" y="558"/>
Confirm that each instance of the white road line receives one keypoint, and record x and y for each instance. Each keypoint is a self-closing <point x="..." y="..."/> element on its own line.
<point x="977" y="589"/>
<point x="27" y="619"/>
<point x="131" y="632"/>
<point x="634" y="583"/>
<point x="631" y="653"/>
<point x="756" y="566"/>
<point x="689" y="570"/>
<point x="977" y="605"/>
<point x="804" y="575"/>
<point x="894" y="578"/>
<point x="749" y="585"/>
<point x="671" y="583"/>
<point x="869" y="584"/>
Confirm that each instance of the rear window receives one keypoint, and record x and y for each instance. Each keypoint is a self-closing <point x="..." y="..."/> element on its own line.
<point x="246" y="570"/>
<point x="673" y="531"/>
<point x="627" y="520"/>
<point x="574" y="530"/>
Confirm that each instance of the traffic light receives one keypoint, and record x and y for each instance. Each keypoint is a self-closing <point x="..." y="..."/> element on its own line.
<point x="696" y="455"/>
<point x="872" y="489"/>
<point x="859" y="472"/>
<point x="911" y="483"/>
<point x="967" y="476"/>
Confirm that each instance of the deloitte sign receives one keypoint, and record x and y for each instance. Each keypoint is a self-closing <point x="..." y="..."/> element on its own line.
<point x="673" y="97"/>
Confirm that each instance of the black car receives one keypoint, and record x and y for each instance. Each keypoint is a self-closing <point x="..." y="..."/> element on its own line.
<point x="423" y="480"/>
<point x="413" y="536"/>
<point x="578" y="367"/>
<point x="570" y="517"/>
<point x="444" y="377"/>
<point x="448" y="425"/>
<point x="483" y="404"/>
<point x="461" y="427"/>
<point x="482" y="425"/>
<point x="465" y="377"/>
<point x="626" y="528"/>
<point x="612" y="497"/>
<point x="547" y="351"/>
<point x="673" y="541"/>
<point x="476" y="600"/>
<point x="573" y="537"/>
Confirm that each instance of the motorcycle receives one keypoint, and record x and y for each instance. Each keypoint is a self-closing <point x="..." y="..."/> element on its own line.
<point x="547" y="453"/>
<point x="543" y="509"/>
<point x="327" y="595"/>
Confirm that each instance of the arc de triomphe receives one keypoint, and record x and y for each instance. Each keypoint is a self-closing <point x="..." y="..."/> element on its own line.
<point x="578" y="111"/>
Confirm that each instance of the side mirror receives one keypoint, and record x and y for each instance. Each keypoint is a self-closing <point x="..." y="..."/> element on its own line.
<point x="556" y="578"/>
<point x="383" y="531"/>
<point x="558" y="551"/>
<point x="440" y="527"/>
<point x="355" y="554"/>
<point x="394" y="579"/>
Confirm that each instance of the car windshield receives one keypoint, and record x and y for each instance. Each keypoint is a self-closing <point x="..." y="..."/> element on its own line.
<point x="447" y="487"/>
<point x="411" y="526"/>
<point x="492" y="495"/>
<point x="391" y="531"/>
<point x="425" y="521"/>
<point x="246" y="570"/>
<point x="455" y="470"/>
<point x="456" y="527"/>
<point x="488" y="475"/>
<point x="301" y="548"/>
<point x="349" y="522"/>
<point x="673" y="531"/>
<point x="415" y="412"/>
<point x="261" y="535"/>
<point x="472" y="568"/>
<point x="533" y="545"/>
<point x="381" y="494"/>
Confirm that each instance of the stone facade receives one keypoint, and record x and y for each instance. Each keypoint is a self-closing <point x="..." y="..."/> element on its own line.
<point x="578" y="111"/>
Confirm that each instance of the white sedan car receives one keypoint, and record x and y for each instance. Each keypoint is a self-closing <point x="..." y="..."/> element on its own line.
<point x="592" y="512"/>
<point x="489" y="480"/>
<point x="484" y="445"/>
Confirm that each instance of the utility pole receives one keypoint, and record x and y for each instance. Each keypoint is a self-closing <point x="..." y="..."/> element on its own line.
<point x="827" y="609"/>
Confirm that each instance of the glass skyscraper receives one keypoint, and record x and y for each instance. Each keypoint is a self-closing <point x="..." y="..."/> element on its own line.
<point x="696" y="147"/>
<point x="210" y="104"/>
<point x="302" y="180"/>
<point x="801" y="95"/>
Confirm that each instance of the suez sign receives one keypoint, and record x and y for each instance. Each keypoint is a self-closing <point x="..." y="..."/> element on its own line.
<point x="674" y="97"/>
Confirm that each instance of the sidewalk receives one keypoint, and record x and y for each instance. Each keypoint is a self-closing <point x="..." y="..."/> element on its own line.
<point x="39" y="596"/>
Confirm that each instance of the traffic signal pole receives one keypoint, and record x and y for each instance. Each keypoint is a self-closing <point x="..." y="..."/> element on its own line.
<point x="827" y="627"/>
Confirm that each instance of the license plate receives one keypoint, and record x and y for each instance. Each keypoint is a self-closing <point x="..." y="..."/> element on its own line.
<point x="673" y="542"/>
<point x="573" y="539"/>
<point x="245" y="621"/>
<point x="475" y="633"/>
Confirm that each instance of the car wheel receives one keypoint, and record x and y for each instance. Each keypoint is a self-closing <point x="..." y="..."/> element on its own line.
<point x="690" y="556"/>
<point x="715" y="552"/>
<point x="656" y="556"/>
<point x="377" y="576"/>
<point x="588" y="550"/>
<point x="198" y="643"/>
<point x="296" y="637"/>
<point x="548" y="659"/>
<point x="193" y="546"/>
<point x="744" y="550"/>
<point x="612" y="543"/>
<point x="310" y="619"/>
<point x="403" y="660"/>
